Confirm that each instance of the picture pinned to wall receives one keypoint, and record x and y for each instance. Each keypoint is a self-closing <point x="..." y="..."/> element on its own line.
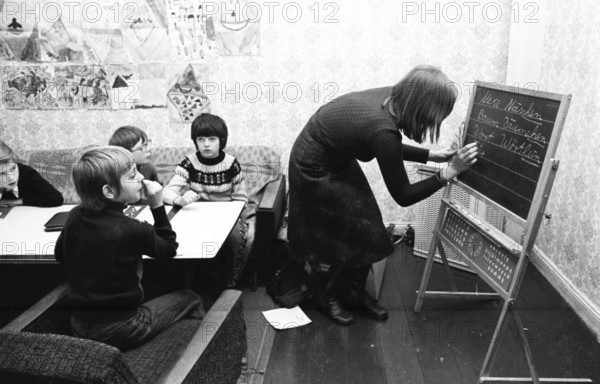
<point x="52" y="38"/>
<point x="137" y="86"/>
<point x="25" y="87"/>
<point x="145" y="34"/>
<point x="200" y="29"/>
<point x="83" y="87"/>
<point x="124" y="85"/>
<point x="187" y="98"/>
<point x="153" y="85"/>
<point x="108" y="45"/>
<point x="6" y="53"/>
<point x="61" y="45"/>
<point x="187" y="30"/>
<point x="237" y="30"/>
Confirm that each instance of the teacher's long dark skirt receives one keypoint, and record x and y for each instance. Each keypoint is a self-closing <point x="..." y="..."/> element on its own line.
<point x="333" y="215"/>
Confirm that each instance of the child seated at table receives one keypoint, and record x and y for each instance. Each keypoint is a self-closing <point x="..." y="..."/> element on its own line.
<point x="136" y="141"/>
<point x="101" y="250"/>
<point x="23" y="185"/>
<point x="210" y="174"/>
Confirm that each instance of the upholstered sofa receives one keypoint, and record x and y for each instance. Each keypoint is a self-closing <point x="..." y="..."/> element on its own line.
<point x="37" y="348"/>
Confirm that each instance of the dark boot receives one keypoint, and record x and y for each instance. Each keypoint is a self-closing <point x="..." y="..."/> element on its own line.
<point x="333" y="309"/>
<point x="325" y="299"/>
<point x="358" y="298"/>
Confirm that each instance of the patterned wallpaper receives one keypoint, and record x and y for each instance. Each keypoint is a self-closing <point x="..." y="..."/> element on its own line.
<point x="309" y="57"/>
<point x="571" y="53"/>
<point x="310" y="52"/>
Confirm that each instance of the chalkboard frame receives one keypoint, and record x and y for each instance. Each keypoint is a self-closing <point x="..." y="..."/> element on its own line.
<point x="549" y="158"/>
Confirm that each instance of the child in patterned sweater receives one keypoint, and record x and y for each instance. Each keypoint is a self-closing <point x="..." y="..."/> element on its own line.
<point x="210" y="174"/>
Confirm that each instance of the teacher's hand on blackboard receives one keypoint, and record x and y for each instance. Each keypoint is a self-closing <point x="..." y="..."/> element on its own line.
<point x="464" y="159"/>
<point x="441" y="156"/>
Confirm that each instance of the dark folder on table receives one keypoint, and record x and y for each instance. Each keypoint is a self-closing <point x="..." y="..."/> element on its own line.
<point x="56" y="222"/>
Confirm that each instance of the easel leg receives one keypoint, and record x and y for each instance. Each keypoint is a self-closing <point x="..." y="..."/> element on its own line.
<point x="524" y="342"/>
<point x="495" y="343"/>
<point x="426" y="273"/>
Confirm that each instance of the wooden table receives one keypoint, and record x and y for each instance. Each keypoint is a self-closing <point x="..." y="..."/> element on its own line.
<point x="201" y="229"/>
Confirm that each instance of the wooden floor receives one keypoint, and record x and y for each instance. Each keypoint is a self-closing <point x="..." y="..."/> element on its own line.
<point x="445" y="343"/>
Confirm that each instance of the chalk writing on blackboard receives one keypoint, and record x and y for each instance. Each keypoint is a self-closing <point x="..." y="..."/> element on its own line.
<point x="513" y="131"/>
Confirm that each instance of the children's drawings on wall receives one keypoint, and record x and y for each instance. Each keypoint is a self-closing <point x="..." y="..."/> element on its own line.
<point x="55" y="87"/>
<point x="203" y="29"/>
<point x="137" y="86"/>
<point x="59" y="44"/>
<point x="124" y="86"/>
<point x="33" y="38"/>
<point x="237" y="30"/>
<point x="6" y="53"/>
<point x="186" y="96"/>
<point x="153" y="86"/>
<point x="81" y="87"/>
<point x="102" y="54"/>
<point x="146" y="35"/>
<point x="187" y="30"/>
<point x="24" y="87"/>
<point x="109" y="45"/>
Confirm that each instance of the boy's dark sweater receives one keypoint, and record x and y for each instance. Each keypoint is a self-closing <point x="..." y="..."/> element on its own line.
<point x="34" y="189"/>
<point x="102" y="255"/>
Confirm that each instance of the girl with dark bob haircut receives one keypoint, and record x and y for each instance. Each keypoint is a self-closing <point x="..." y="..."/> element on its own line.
<point x="209" y="125"/>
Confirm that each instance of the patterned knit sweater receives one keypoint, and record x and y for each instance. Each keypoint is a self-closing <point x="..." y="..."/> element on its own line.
<point x="218" y="179"/>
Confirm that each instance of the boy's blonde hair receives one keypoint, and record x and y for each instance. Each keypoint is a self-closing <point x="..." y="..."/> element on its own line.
<point x="421" y="101"/>
<point x="6" y="153"/>
<point x="99" y="167"/>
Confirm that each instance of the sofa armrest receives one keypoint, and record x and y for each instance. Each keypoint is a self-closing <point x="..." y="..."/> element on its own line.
<point x="217" y="345"/>
<point x="273" y="194"/>
<point x="39" y="308"/>
<point x="37" y="358"/>
<point x="269" y="214"/>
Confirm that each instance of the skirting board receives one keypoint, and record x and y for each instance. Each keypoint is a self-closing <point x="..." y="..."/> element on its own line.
<point x="581" y="304"/>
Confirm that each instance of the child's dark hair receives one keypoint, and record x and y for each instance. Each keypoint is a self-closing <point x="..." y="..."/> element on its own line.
<point x="127" y="137"/>
<point x="98" y="167"/>
<point x="209" y="125"/>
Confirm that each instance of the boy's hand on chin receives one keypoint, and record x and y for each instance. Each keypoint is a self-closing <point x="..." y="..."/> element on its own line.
<point x="152" y="193"/>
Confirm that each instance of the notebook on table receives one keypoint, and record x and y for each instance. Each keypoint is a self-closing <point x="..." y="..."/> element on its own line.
<point x="56" y="222"/>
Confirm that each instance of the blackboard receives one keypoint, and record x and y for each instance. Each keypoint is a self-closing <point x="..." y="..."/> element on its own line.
<point x="513" y="128"/>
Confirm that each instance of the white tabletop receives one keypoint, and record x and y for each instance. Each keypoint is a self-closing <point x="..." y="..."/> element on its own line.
<point x="201" y="228"/>
<point x="22" y="233"/>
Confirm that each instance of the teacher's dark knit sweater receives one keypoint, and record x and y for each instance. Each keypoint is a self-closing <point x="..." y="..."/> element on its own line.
<point x="34" y="189"/>
<point x="357" y="125"/>
<point x="102" y="255"/>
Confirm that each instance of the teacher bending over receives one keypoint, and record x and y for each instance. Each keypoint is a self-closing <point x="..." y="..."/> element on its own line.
<point x="334" y="221"/>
